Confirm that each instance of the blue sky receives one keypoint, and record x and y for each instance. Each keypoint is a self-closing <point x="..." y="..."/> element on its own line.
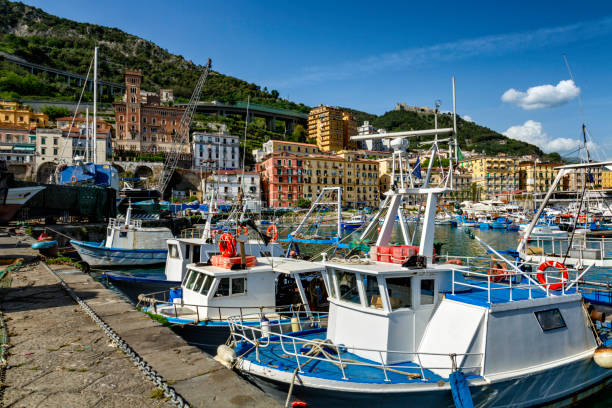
<point x="369" y="55"/>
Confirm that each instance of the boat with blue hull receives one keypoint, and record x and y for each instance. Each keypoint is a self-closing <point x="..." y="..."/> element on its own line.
<point x="127" y="243"/>
<point x="421" y="333"/>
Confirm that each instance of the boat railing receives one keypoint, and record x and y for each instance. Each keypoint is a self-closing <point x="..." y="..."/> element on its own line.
<point x="507" y="280"/>
<point x="587" y="247"/>
<point x="152" y="302"/>
<point x="196" y="233"/>
<point x="306" y="350"/>
<point x="119" y="223"/>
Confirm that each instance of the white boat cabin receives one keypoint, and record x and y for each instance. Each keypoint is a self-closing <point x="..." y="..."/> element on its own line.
<point x="219" y="293"/>
<point x="130" y="234"/>
<point x="184" y="251"/>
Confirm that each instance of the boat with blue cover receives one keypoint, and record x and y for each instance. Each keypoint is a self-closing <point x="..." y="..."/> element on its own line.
<point x="420" y="333"/>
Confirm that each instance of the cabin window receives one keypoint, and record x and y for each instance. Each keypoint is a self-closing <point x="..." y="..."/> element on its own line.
<point x="186" y="278"/>
<point x="370" y="285"/>
<point x="400" y="294"/>
<point x="224" y="287"/>
<point x="206" y="286"/>
<point x="198" y="283"/>
<point x="427" y="291"/>
<point x="192" y="279"/>
<point x="122" y="234"/>
<point x="110" y="232"/>
<point x="347" y="286"/>
<point x="550" y="319"/>
<point x="173" y="251"/>
<point x="187" y="248"/>
<point x="238" y="286"/>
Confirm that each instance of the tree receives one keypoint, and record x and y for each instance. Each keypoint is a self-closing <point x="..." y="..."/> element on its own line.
<point x="303" y="202"/>
<point x="274" y="93"/>
<point x="299" y="134"/>
<point x="54" y="112"/>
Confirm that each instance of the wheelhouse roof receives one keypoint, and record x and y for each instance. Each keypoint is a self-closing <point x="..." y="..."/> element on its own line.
<point x="390" y="269"/>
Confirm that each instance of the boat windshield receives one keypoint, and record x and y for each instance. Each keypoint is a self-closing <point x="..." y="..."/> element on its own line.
<point x="400" y="294"/>
<point x="347" y="285"/>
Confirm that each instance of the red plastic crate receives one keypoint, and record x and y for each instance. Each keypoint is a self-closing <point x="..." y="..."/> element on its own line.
<point x="227" y="263"/>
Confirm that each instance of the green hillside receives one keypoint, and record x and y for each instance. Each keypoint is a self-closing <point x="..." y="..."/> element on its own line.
<point x="41" y="38"/>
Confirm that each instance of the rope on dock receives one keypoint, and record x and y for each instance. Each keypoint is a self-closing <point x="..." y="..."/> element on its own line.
<point x="148" y="371"/>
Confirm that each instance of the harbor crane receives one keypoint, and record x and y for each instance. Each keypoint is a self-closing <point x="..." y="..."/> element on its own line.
<point x="182" y="136"/>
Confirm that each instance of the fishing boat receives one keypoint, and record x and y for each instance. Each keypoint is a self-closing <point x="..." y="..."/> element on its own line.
<point x="262" y="288"/>
<point x="127" y="243"/>
<point x="356" y="221"/>
<point x="403" y="330"/>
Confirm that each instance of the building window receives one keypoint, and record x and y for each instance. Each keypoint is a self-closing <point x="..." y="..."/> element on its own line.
<point x="43" y="151"/>
<point x="55" y="151"/>
<point x="43" y="140"/>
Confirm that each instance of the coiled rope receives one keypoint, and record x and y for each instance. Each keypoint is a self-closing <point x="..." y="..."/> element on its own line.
<point x="138" y="361"/>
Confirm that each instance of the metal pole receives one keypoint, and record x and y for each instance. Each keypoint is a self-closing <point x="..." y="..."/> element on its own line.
<point x="86" y="134"/>
<point x="95" y="106"/>
<point x="455" y="120"/>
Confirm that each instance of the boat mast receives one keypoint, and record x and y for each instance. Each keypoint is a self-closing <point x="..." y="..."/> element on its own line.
<point x="95" y="99"/>
<point x="86" y="134"/>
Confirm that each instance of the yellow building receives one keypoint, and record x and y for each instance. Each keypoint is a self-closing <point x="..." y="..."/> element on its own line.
<point x="331" y="128"/>
<point x="544" y="177"/>
<point x="606" y="179"/>
<point x="358" y="178"/>
<point x="493" y="175"/>
<point x="12" y="113"/>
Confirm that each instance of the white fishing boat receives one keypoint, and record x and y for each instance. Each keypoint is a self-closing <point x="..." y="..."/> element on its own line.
<point x="406" y="331"/>
<point x="127" y="243"/>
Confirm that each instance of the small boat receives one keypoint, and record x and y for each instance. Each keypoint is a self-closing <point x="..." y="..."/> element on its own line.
<point x="127" y="243"/>
<point x="356" y="221"/>
<point x="500" y="223"/>
<point x="210" y="294"/>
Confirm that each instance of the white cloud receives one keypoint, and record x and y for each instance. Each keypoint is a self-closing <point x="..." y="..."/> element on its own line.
<point x="499" y="44"/>
<point x="542" y="96"/>
<point x="532" y="132"/>
<point x="467" y="118"/>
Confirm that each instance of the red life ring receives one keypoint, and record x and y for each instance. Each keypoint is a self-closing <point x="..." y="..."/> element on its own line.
<point x="73" y="179"/>
<point x="498" y="271"/>
<point x="227" y="245"/>
<point x="242" y="230"/>
<point x="552" y="264"/>
<point x="272" y="229"/>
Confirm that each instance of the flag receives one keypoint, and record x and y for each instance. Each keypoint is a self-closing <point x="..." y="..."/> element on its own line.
<point x="591" y="178"/>
<point x="416" y="170"/>
<point x="459" y="154"/>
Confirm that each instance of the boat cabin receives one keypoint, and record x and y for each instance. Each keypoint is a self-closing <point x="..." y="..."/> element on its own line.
<point x="131" y="235"/>
<point x="220" y="293"/>
<point x="184" y="251"/>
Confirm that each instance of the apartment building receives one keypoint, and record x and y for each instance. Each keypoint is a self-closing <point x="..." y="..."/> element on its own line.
<point x="287" y="177"/>
<point x="332" y="128"/>
<point x="538" y="177"/>
<point x="15" y="114"/>
<point x="227" y="184"/>
<point x="17" y="144"/>
<point x="493" y="175"/>
<point x="215" y="150"/>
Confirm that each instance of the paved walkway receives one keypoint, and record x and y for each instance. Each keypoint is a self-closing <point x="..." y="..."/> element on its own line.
<point x="60" y="357"/>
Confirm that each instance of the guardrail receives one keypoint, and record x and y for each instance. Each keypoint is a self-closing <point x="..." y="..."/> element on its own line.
<point x="292" y="346"/>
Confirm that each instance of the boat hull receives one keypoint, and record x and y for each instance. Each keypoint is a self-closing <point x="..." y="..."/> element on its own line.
<point x="97" y="255"/>
<point x="559" y="387"/>
<point x="15" y="199"/>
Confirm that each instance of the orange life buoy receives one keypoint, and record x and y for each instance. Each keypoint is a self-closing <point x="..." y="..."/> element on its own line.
<point x="272" y="229"/>
<point x="552" y="264"/>
<point x="242" y="230"/>
<point x="227" y="245"/>
<point x="498" y="271"/>
<point x="73" y="179"/>
<point x="454" y="262"/>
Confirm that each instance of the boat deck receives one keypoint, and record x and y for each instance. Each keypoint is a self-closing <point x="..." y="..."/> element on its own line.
<point x="499" y="293"/>
<point x="356" y="369"/>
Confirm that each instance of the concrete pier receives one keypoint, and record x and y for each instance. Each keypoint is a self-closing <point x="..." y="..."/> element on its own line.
<point x="59" y="356"/>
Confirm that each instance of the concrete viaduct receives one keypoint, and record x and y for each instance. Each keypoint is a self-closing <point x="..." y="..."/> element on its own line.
<point x="270" y="114"/>
<point x="70" y="77"/>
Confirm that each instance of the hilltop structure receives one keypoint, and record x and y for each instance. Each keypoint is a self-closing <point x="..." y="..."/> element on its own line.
<point x="15" y="114"/>
<point x="143" y="124"/>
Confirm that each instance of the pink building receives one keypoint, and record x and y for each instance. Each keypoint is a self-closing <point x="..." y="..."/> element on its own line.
<point x="281" y="179"/>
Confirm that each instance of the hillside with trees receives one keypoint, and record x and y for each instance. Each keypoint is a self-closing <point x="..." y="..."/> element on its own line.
<point x="41" y="38"/>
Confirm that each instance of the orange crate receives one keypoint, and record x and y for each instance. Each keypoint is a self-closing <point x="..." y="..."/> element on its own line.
<point x="227" y="263"/>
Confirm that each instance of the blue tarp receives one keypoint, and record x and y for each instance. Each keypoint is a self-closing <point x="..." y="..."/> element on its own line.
<point x="99" y="174"/>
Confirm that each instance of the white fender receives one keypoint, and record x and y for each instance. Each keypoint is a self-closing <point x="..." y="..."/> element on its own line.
<point x="603" y="357"/>
<point x="225" y="355"/>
